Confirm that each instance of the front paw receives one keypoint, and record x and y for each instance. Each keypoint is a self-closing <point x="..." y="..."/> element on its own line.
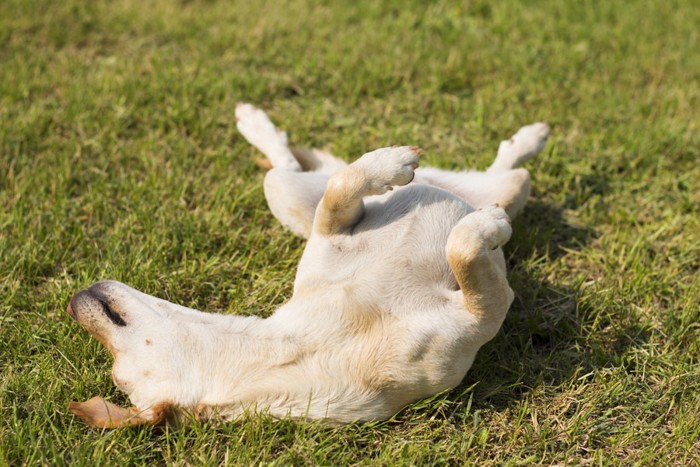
<point x="389" y="167"/>
<point x="491" y="226"/>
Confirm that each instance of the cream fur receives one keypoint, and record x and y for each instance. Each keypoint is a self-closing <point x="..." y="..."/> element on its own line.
<point x="399" y="286"/>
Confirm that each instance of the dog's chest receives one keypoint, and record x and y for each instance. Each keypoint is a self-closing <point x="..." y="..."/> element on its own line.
<point x="400" y="241"/>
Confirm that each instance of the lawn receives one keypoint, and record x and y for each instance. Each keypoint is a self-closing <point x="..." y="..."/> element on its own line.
<point x="119" y="158"/>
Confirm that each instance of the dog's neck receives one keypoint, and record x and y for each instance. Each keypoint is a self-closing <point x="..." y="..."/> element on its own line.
<point x="237" y="358"/>
<point x="225" y="364"/>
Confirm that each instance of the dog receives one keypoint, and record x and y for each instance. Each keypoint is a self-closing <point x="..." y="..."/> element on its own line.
<point x="402" y="280"/>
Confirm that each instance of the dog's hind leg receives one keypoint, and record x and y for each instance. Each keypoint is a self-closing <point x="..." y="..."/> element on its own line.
<point x="508" y="189"/>
<point x="293" y="197"/>
<point x="503" y="183"/>
<point x="100" y="413"/>
<point x="295" y="185"/>
<point x="316" y="160"/>
<point x="258" y="130"/>
<point x="525" y="144"/>
<point x="476" y="259"/>
<point x="514" y="182"/>
<point x="375" y="173"/>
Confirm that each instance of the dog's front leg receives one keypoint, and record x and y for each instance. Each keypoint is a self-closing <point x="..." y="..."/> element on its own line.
<point x="375" y="173"/>
<point x="474" y="254"/>
<point x="100" y="413"/>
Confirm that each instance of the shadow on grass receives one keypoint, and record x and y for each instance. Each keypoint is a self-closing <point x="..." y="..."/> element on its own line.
<point x="544" y="340"/>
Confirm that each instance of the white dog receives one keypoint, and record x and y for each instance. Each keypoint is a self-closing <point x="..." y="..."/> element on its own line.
<point x="399" y="285"/>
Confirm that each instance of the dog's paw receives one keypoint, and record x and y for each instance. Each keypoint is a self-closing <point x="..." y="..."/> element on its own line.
<point x="389" y="167"/>
<point x="490" y="226"/>
<point x="256" y="127"/>
<point x="525" y="144"/>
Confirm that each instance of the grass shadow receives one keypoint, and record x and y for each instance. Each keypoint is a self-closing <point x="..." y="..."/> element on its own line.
<point x="545" y="340"/>
<point x="542" y="233"/>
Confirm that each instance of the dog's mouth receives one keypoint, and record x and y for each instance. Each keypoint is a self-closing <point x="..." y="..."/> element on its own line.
<point x="69" y="309"/>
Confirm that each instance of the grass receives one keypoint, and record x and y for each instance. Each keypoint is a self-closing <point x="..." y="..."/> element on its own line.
<point x="119" y="159"/>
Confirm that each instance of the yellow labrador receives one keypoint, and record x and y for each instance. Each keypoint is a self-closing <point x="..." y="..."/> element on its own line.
<point x="401" y="282"/>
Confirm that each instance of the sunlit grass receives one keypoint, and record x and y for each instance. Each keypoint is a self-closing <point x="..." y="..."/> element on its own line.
<point x="119" y="159"/>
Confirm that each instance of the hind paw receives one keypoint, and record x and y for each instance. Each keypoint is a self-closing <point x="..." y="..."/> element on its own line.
<point x="525" y="144"/>
<point x="257" y="128"/>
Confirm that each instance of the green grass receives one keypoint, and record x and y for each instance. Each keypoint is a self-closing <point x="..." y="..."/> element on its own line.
<point x="119" y="159"/>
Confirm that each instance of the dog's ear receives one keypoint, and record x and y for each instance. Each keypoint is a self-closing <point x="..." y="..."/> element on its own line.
<point x="100" y="413"/>
<point x="263" y="163"/>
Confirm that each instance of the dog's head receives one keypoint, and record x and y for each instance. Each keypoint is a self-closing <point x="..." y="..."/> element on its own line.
<point x="150" y="363"/>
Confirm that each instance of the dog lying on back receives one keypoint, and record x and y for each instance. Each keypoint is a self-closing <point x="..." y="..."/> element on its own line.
<point x="401" y="282"/>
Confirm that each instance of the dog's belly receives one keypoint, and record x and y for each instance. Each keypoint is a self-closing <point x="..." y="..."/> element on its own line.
<point x="394" y="257"/>
<point x="385" y="294"/>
